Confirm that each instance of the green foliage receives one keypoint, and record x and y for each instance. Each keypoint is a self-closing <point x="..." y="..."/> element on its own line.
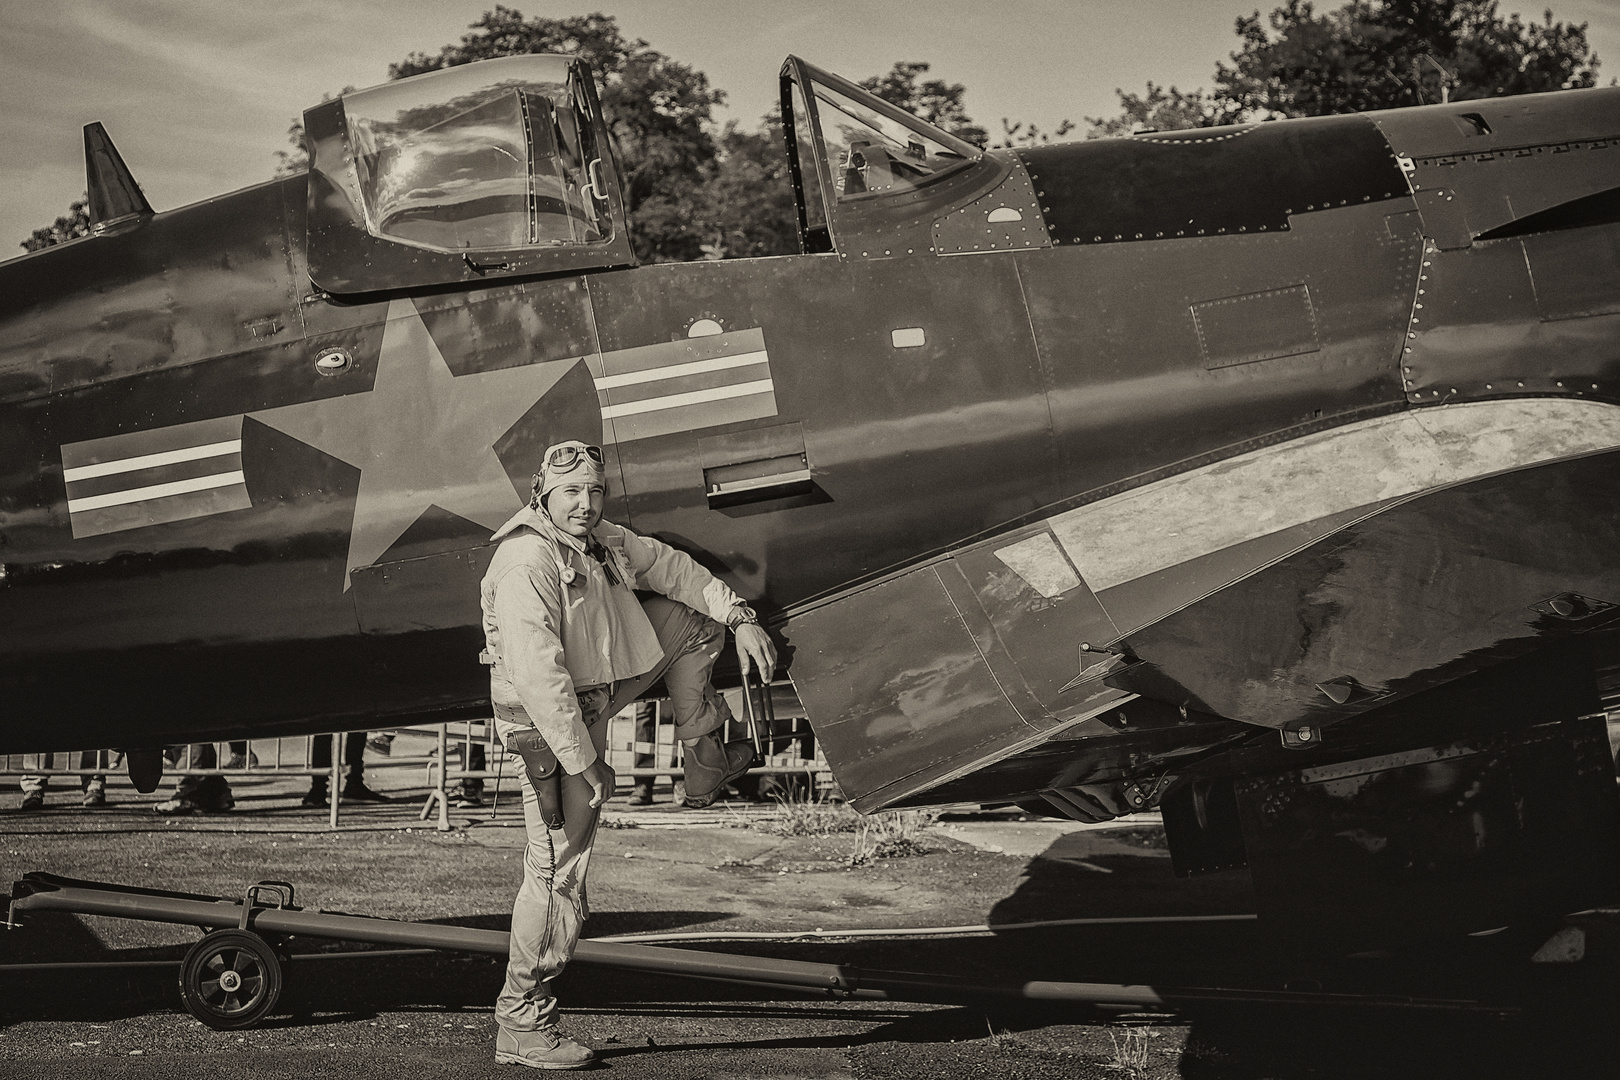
<point x="1365" y="55"/>
<point x="71" y="225"/>
<point x="296" y="161"/>
<point x="694" y="195"/>
<point x="1161" y="110"/>
<point x="1383" y="54"/>
<point x="745" y="210"/>
<point x="1020" y="134"/>
<point x="934" y="100"/>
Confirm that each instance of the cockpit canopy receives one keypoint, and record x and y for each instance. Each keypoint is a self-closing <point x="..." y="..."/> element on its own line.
<point x="875" y="154"/>
<point x="505" y="168"/>
<point x="863" y="167"/>
<point x="486" y="170"/>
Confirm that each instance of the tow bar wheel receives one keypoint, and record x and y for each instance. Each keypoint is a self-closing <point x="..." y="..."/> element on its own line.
<point x="230" y="979"/>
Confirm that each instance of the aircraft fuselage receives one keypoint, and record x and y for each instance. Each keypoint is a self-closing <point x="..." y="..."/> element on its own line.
<point x="1091" y="393"/>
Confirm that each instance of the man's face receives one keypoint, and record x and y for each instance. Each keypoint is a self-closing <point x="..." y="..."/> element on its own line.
<point x="575" y="508"/>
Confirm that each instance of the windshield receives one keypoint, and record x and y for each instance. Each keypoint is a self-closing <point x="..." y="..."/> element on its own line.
<point x="492" y="158"/>
<point x="872" y="153"/>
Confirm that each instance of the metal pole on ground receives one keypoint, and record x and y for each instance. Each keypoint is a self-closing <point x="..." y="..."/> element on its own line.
<point x="439" y="795"/>
<point x="444" y="778"/>
<point x="43" y="892"/>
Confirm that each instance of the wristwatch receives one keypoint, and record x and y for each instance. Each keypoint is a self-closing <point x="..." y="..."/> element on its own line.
<point x="742" y="614"/>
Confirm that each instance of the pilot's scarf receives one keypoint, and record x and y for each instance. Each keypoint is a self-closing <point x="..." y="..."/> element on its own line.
<point x="614" y="562"/>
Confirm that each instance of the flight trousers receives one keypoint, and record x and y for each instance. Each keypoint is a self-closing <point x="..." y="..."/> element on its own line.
<point x="551" y="904"/>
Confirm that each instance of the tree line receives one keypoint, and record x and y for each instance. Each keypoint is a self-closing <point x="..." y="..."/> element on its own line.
<point x="695" y="190"/>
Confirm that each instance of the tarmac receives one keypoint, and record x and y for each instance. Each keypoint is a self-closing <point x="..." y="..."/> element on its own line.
<point x="728" y="870"/>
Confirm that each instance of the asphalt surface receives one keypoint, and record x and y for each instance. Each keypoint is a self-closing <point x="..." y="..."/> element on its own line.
<point x="660" y="869"/>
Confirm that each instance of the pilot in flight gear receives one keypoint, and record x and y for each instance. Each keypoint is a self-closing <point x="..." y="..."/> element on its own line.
<point x="569" y="645"/>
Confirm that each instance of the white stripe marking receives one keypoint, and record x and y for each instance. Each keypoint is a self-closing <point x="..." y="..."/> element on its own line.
<point x="1041" y="564"/>
<point x="152" y="461"/>
<point x="696" y="397"/>
<point x="676" y="371"/>
<point x="156" y="491"/>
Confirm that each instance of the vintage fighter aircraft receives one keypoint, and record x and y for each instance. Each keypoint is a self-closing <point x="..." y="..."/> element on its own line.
<point x="1264" y="474"/>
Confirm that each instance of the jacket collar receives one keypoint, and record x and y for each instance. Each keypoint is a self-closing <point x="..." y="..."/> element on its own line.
<point x="531" y="517"/>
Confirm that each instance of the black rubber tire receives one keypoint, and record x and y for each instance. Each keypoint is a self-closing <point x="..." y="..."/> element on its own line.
<point x="252" y="965"/>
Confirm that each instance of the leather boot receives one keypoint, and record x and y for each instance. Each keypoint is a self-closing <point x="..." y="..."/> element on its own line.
<point x="711" y="765"/>
<point x="542" y="1048"/>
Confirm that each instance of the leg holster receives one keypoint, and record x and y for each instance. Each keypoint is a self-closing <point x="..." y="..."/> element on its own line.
<point x="545" y="774"/>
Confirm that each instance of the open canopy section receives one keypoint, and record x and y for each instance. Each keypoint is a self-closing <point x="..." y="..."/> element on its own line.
<point x="876" y="153"/>
<point x="858" y="159"/>
<point x="484" y="170"/>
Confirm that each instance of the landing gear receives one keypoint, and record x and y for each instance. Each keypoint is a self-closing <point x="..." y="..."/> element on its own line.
<point x="230" y="979"/>
<point x="1488" y="802"/>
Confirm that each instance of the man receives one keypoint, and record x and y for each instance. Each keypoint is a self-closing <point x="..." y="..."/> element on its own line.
<point x="569" y="645"/>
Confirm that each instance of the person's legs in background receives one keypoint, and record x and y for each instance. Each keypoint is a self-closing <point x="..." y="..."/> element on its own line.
<point x="197" y="793"/>
<point x="646" y="745"/>
<point x="354" y="787"/>
<point x="34" y="786"/>
<point x="320" y="757"/>
<point x="471" y="795"/>
<point x="94" y="785"/>
<point x="241" y="756"/>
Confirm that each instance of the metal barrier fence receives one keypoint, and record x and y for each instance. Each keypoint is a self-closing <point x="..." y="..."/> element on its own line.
<point x="639" y="747"/>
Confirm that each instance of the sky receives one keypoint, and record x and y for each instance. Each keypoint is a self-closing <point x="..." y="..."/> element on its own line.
<point x="198" y="94"/>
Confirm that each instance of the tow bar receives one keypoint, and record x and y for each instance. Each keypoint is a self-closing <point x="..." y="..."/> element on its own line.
<point x="232" y="978"/>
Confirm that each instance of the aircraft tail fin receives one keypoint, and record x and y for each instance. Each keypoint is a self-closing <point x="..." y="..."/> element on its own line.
<point x="115" y="197"/>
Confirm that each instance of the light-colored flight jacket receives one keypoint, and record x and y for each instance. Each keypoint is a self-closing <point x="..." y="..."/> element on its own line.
<point x="553" y="623"/>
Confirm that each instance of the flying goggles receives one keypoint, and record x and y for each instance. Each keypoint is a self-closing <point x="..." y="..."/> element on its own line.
<point x="565" y="457"/>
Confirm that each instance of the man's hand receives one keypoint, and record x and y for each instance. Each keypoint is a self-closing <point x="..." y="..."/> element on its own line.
<point x="754" y="647"/>
<point x="600" y="776"/>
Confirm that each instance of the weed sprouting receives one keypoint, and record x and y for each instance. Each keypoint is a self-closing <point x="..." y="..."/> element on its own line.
<point x="1131" y="1050"/>
<point x="882" y="836"/>
<point x="890" y="836"/>
<point x="803" y="816"/>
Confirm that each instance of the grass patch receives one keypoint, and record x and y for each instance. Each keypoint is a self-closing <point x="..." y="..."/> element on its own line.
<point x="1132" y="1050"/>
<point x="803" y="816"/>
<point x="890" y="836"/>
<point x="882" y="836"/>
